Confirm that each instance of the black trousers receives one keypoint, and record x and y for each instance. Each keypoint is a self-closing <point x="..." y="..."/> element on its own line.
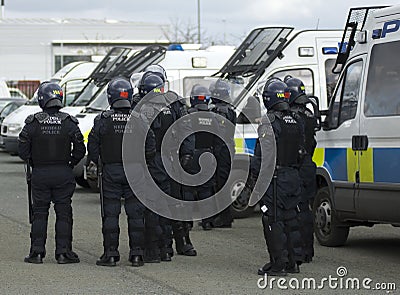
<point x="280" y="219"/>
<point x="158" y="228"/>
<point x="116" y="187"/>
<point x="52" y="184"/>
<point x="309" y="187"/>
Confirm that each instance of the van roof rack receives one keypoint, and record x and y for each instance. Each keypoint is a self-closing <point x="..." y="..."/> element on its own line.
<point x="355" y="22"/>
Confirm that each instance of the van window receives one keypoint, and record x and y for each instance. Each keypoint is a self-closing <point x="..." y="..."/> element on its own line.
<point x="331" y="78"/>
<point x="345" y="100"/>
<point x="305" y="75"/>
<point x="382" y="96"/>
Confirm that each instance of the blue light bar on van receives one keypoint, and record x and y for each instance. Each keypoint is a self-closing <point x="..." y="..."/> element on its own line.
<point x="330" y="50"/>
<point x="175" y="47"/>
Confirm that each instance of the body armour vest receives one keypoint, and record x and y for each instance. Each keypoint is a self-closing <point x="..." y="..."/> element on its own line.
<point x="51" y="144"/>
<point x="289" y="141"/>
<point x="111" y="139"/>
<point x="204" y="120"/>
<point x="161" y="124"/>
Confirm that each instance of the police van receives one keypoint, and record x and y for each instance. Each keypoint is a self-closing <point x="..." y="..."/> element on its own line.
<point x="71" y="74"/>
<point x="272" y="52"/>
<point x="179" y="61"/>
<point x="358" y="151"/>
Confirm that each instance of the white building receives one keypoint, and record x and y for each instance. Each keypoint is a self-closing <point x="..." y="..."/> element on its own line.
<point x="34" y="49"/>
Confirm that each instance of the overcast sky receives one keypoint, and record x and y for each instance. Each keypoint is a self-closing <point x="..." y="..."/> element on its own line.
<point x="230" y="18"/>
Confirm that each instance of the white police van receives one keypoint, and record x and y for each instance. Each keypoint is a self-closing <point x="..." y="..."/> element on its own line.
<point x="358" y="152"/>
<point x="273" y="51"/>
<point x="71" y="74"/>
<point x="179" y="61"/>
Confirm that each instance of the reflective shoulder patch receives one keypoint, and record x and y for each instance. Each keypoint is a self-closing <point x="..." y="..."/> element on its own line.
<point x="29" y="119"/>
<point x="171" y="97"/>
<point x="63" y="116"/>
<point x="271" y="117"/>
<point x="41" y="116"/>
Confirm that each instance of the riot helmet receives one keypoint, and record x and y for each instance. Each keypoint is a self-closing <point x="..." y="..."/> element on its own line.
<point x="157" y="70"/>
<point x="220" y="91"/>
<point x="199" y="95"/>
<point x="150" y="82"/>
<point x="297" y="90"/>
<point x="276" y="95"/>
<point x="119" y="93"/>
<point x="287" y="77"/>
<point x="49" y="95"/>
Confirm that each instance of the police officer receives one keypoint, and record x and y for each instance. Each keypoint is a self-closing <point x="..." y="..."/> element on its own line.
<point x="105" y="149"/>
<point x="298" y="103"/>
<point x="169" y="108"/>
<point x="204" y="142"/>
<point x="279" y="204"/>
<point x="45" y="143"/>
<point x="220" y="98"/>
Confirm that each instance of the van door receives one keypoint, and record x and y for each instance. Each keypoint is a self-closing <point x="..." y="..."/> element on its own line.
<point x="327" y="49"/>
<point x="379" y="194"/>
<point x="342" y="123"/>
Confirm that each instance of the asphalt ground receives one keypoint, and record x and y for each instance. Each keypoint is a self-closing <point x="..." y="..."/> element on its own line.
<point x="227" y="260"/>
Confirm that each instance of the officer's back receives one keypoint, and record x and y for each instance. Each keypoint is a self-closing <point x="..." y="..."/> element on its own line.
<point x="52" y="144"/>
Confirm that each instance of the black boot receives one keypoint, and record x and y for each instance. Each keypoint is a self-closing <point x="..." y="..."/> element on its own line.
<point x="165" y="256"/>
<point x="137" y="260"/>
<point x="292" y="268"/>
<point x="105" y="260"/>
<point x="206" y="225"/>
<point x="68" y="257"/>
<point x="263" y="270"/>
<point x="36" y="258"/>
<point x="152" y="255"/>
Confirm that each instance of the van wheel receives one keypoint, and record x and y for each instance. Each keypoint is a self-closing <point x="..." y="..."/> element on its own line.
<point x="240" y="206"/>
<point x="327" y="228"/>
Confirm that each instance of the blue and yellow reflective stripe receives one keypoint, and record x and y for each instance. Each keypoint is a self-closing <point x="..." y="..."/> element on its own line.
<point x="239" y="145"/>
<point x="86" y="136"/>
<point x="367" y="165"/>
<point x="374" y="164"/>
<point x="245" y="145"/>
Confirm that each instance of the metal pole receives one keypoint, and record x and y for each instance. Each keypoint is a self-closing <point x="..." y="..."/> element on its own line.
<point x="198" y="22"/>
<point x="224" y="22"/>
<point x="2" y="9"/>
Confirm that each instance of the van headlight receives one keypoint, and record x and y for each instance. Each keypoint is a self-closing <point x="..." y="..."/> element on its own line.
<point x="14" y="128"/>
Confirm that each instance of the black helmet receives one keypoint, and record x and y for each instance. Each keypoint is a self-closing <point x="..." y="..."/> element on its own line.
<point x="287" y="77"/>
<point x="119" y="93"/>
<point x="220" y="91"/>
<point x="50" y="95"/>
<point x="275" y="92"/>
<point x="157" y="70"/>
<point x="297" y="90"/>
<point x="199" y="95"/>
<point x="150" y="82"/>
